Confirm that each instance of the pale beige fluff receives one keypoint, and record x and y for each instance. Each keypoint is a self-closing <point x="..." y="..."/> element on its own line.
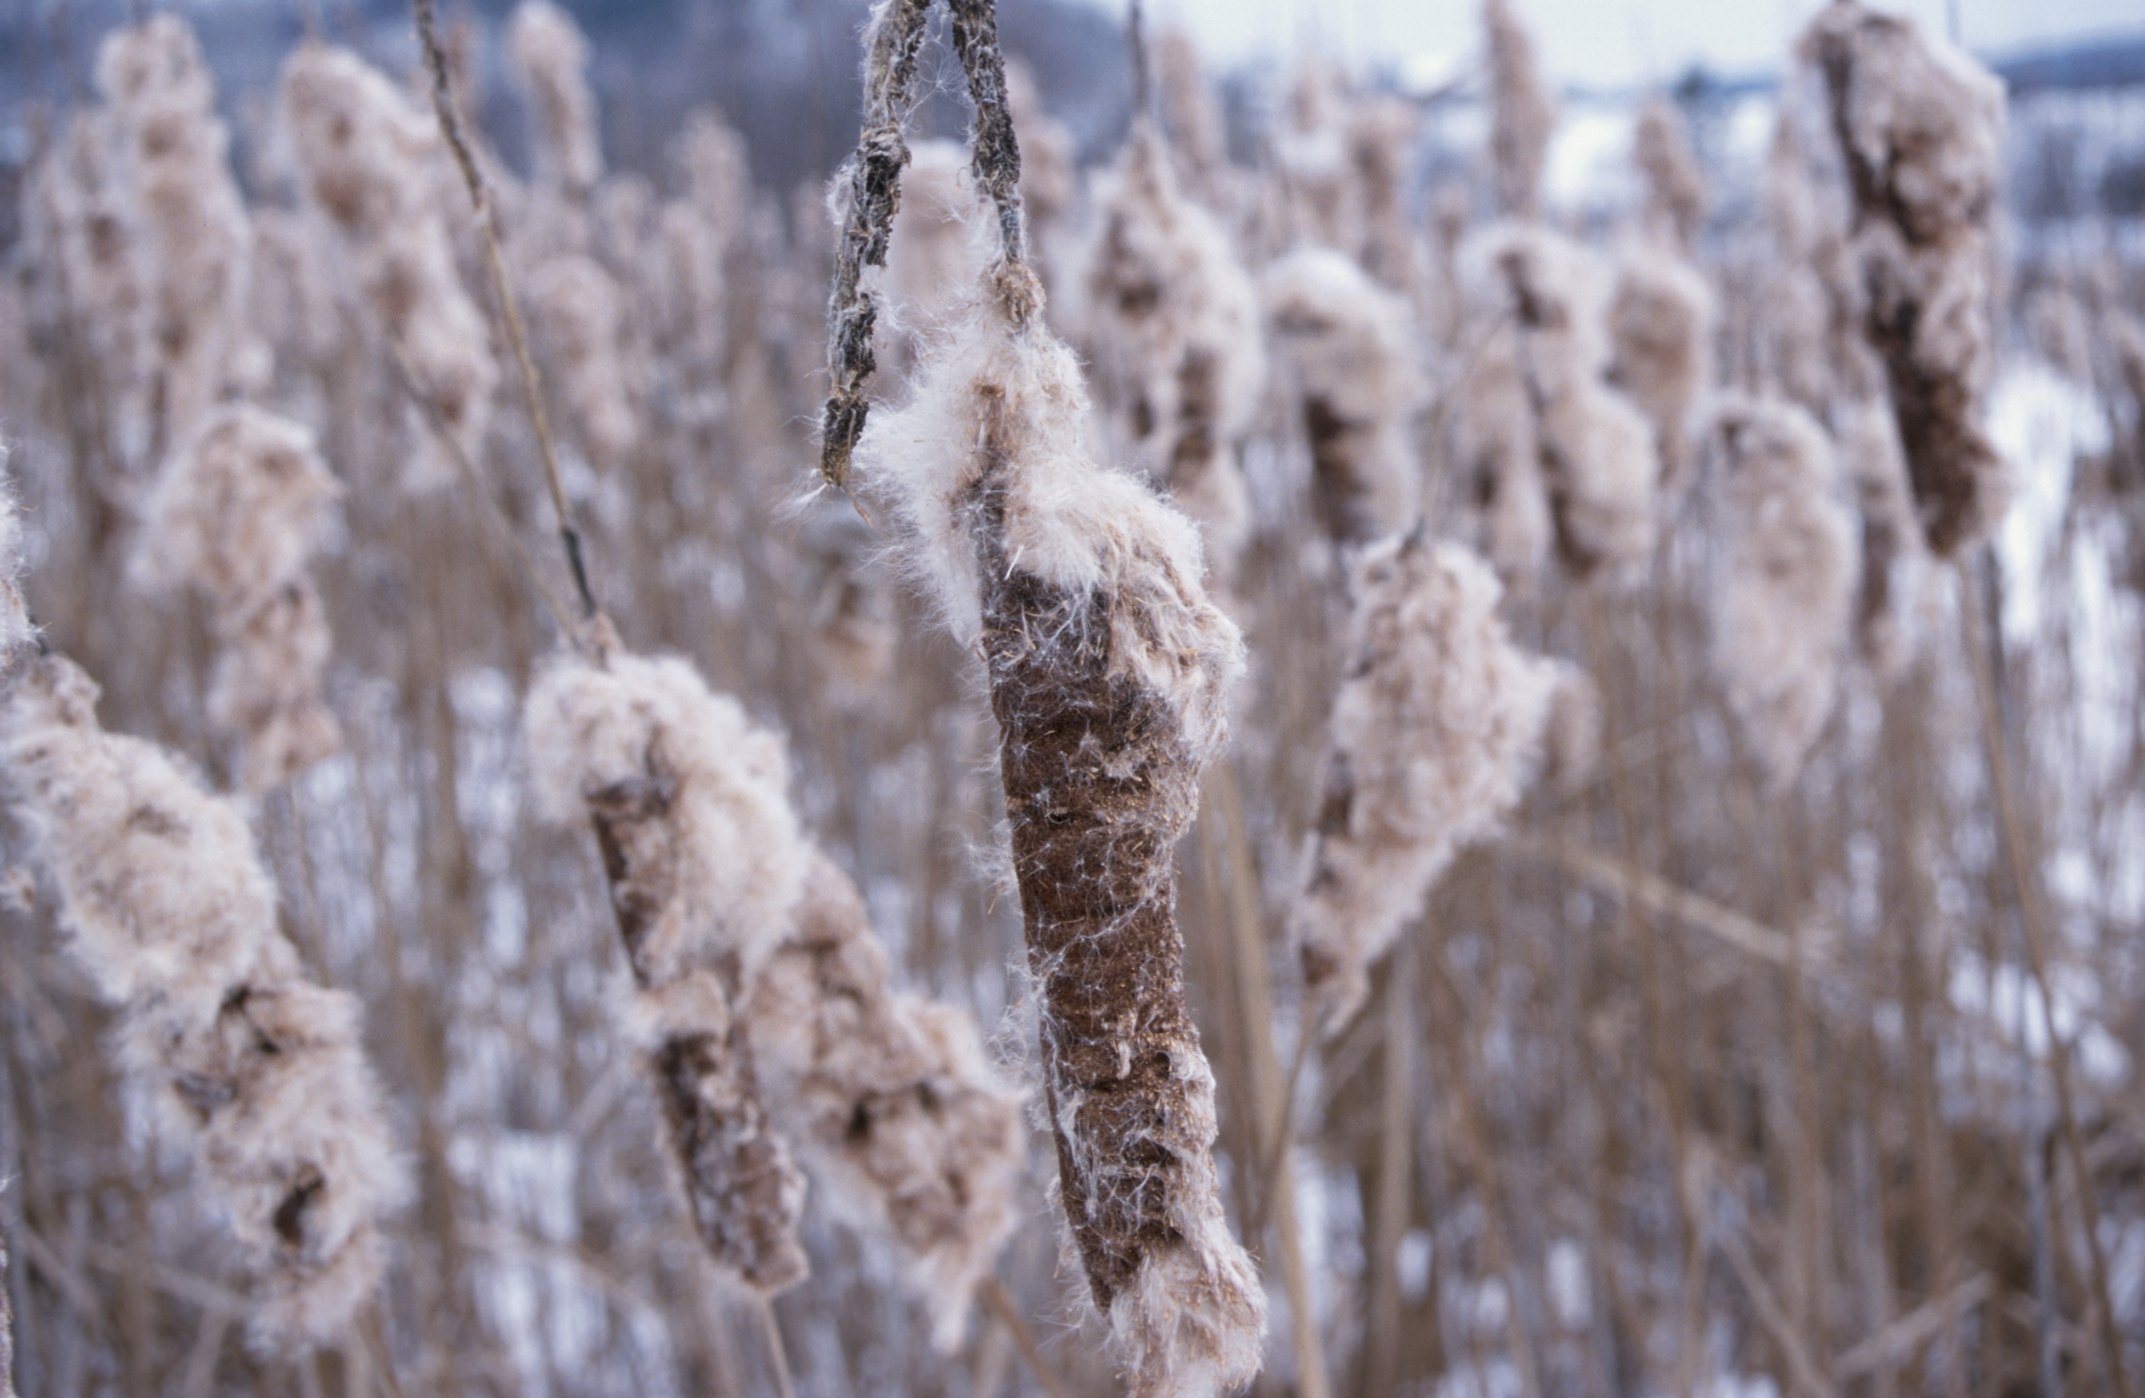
<point x="551" y="63"/>
<point x="1349" y="346"/>
<point x="16" y="628"/>
<point x="1381" y="146"/>
<point x="1661" y="323"/>
<point x="1782" y="610"/>
<point x="932" y="261"/>
<point x="1676" y="195"/>
<point x="1572" y="734"/>
<point x="371" y="163"/>
<point x="1174" y="318"/>
<point x="81" y="234"/>
<point x="1920" y="126"/>
<point x="1075" y="524"/>
<point x="1521" y="115"/>
<point x="739" y="857"/>
<point x="239" y="510"/>
<point x="1497" y="449"/>
<point x="268" y="686"/>
<point x="889" y="1097"/>
<point x="1595" y="447"/>
<point x="194" y="241"/>
<point x="168" y="909"/>
<point x="574" y="304"/>
<point x="1434" y="728"/>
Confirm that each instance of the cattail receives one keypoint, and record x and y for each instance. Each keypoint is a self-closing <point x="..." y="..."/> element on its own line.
<point x="167" y="908"/>
<point x="1891" y="543"/>
<point x="1782" y="611"/>
<point x="369" y="162"/>
<point x="1497" y="450"/>
<point x="1381" y="147"/>
<point x="705" y="865"/>
<point x="551" y="63"/>
<point x="1348" y="341"/>
<point x="1596" y="449"/>
<point x="236" y="514"/>
<point x="1436" y="721"/>
<point x="1521" y="115"/>
<point x="1191" y="114"/>
<point x="1316" y="190"/>
<point x="1919" y="127"/>
<point x="1661" y="321"/>
<point x="574" y="304"/>
<point x="194" y="238"/>
<point x="1572" y="731"/>
<point x="82" y="236"/>
<point x="1108" y="672"/>
<point x="1676" y="195"/>
<point x="891" y="1097"/>
<point x="1176" y="320"/>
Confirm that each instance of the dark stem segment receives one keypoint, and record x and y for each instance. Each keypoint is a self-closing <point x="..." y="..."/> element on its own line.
<point x="996" y="151"/>
<point x="873" y="177"/>
<point x="1099" y="785"/>
<point x="744" y="1193"/>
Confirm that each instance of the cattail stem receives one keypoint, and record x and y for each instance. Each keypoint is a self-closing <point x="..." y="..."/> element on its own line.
<point x="873" y="177"/>
<point x="450" y="125"/>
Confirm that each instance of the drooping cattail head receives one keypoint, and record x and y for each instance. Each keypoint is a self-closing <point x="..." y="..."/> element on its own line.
<point x="168" y="909"/>
<point x="1919" y="126"/>
<point x="1434" y="726"/>
<point x="705" y="864"/>
<point x="1521" y="115"/>
<point x="1108" y="671"/>
<point x="1676" y="195"/>
<point x="1783" y="609"/>
<point x="889" y="1097"/>
<point x="1661" y="318"/>
<point x="551" y="62"/>
<point x="1347" y="341"/>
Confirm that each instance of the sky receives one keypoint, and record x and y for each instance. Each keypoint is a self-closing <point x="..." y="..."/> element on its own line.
<point x="1605" y="42"/>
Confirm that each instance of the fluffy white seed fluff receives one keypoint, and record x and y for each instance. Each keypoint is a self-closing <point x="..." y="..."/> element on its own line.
<point x="1521" y="115"/>
<point x="551" y="63"/>
<point x="1783" y="608"/>
<point x="1175" y="321"/>
<point x="1920" y="127"/>
<point x="1661" y="321"/>
<point x="371" y="163"/>
<point x="889" y="1097"/>
<point x="1596" y="449"/>
<point x="739" y="857"/>
<point x="168" y="909"/>
<point x="575" y="305"/>
<point x="195" y="240"/>
<point x="1435" y="726"/>
<point x="1348" y="344"/>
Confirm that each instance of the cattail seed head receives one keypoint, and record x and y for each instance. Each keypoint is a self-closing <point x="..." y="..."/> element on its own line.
<point x="1783" y="610"/>
<point x="551" y="61"/>
<point x="1434" y="726"/>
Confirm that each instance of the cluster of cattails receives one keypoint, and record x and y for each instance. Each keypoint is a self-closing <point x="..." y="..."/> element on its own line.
<point x="255" y="1068"/>
<point x="1394" y="419"/>
<point x="236" y="514"/>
